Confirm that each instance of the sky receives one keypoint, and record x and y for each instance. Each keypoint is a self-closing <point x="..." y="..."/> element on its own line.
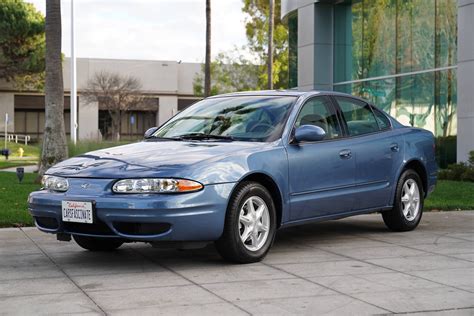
<point x="150" y="29"/>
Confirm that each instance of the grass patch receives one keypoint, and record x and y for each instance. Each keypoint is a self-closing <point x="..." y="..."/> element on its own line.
<point x="16" y="163"/>
<point x="14" y="206"/>
<point x="32" y="151"/>
<point x="86" y="146"/>
<point x="451" y="195"/>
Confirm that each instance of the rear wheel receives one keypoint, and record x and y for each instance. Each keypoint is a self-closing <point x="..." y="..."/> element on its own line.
<point x="408" y="207"/>
<point x="250" y="224"/>
<point x="97" y="244"/>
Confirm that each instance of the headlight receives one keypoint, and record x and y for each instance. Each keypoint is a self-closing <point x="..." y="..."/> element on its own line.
<point x="55" y="183"/>
<point x="155" y="186"/>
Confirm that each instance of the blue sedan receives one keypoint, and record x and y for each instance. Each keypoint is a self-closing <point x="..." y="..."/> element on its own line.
<point x="232" y="169"/>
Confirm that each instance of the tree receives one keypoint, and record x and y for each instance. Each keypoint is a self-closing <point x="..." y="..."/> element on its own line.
<point x="257" y="27"/>
<point x="54" y="138"/>
<point x="22" y="43"/>
<point x="116" y="94"/>
<point x="270" y="45"/>
<point x="230" y="72"/>
<point x="207" y="66"/>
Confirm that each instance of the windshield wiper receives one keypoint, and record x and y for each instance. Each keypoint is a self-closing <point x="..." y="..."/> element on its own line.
<point x="199" y="136"/>
<point x="163" y="138"/>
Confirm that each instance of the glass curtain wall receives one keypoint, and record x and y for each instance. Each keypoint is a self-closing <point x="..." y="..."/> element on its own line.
<point x="398" y="54"/>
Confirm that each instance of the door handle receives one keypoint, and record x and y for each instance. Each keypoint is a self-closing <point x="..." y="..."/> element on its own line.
<point x="345" y="154"/>
<point x="394" y="147"/>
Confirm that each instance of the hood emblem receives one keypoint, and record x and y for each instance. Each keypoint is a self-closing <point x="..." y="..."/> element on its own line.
<point x="85" y="185"/>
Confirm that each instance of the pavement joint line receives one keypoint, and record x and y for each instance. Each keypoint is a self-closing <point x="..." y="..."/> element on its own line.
<point x="426" y="251"/>
<point x="36" y="294"/>
<point x="64" y="272"/>
<point x="327" y="287"/>
<point x="189" y="280"/>
<point x="436" y="310"/>
<point x="406" y="273"/>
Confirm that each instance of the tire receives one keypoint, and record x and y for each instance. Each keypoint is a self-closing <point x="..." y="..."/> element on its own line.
<point x="406" y="212"/>
<point x="97" y="244"/>
<point x="242" y="222"/>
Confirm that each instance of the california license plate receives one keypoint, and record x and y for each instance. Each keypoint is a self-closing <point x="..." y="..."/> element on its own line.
<point x="77" y="212"/>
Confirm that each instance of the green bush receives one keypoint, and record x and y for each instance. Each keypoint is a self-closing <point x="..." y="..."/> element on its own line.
<point x="459" y="171"/>
<point x="445" y="150"/>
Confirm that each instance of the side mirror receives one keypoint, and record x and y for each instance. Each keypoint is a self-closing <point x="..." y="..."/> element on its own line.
<point x="309" y="133"/>
<point x="149" y="132"/>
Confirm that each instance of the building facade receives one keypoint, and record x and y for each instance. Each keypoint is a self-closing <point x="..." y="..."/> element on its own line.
<point x="412" y="58"/>
<point x="167" y="86"/>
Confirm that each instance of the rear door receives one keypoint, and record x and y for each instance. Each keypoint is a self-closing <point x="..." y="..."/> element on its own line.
<point x="321" y="174"/>
<point x="376" y="151"/>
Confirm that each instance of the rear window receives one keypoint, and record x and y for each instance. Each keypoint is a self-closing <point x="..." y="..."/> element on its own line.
<point x="382" y="119"/>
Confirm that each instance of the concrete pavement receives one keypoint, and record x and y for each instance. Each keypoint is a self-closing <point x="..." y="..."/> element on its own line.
<point x="353" y="266"/>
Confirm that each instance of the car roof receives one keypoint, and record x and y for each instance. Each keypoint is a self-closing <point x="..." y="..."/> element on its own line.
<point x="294" y="93"/>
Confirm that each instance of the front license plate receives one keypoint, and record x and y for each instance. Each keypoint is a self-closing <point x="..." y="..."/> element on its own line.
<point x="77" y="212"/>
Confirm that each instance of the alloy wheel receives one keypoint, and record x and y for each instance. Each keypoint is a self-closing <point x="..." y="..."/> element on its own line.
<point x="410" y="199"/>
<point x="254" y="223"/>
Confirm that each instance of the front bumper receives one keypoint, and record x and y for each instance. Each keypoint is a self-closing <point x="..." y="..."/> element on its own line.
<point x="197" y="216"/>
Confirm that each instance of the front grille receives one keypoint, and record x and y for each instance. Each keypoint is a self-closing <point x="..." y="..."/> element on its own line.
<point x="46" y="222"/>
<point x="142" y="229"/>
<point x="97" y="228"/>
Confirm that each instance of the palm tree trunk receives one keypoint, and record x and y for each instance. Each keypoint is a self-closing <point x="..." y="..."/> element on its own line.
<point x="270" y="45"/>
<point x="54" y="138"/>
<point x="207" y="66"/>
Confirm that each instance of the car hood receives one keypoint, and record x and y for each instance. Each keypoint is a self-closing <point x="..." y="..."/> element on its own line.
<point x="152" y="159"/>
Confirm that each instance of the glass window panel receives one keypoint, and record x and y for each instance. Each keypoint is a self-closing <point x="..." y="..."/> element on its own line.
<point x="382" y="120"/>
<point x="319" y="112"/>
<point x="32" y="122"/>
<point x="20" y="127"/>
<point x="358" y="115"/>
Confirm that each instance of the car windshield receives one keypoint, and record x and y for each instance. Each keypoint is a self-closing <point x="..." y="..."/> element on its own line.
<point x="245" y="118"/>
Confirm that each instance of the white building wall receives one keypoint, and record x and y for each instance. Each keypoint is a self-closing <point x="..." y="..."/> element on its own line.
<point x="465" y="79"/>
<point x="88" y="120"/>
<point x="168" y="108"/>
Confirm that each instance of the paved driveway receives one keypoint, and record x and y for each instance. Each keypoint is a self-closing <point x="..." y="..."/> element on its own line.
<point x="352" y="266"/>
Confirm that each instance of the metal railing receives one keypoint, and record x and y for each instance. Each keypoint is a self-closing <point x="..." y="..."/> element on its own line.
<point x="17" y="138"/>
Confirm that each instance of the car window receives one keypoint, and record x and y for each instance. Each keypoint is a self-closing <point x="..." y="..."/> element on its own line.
<point x="320" y="112"/>
<point x="381" y="118"/>
<point x="243" y="118"/>
<point x="358" y="115"/>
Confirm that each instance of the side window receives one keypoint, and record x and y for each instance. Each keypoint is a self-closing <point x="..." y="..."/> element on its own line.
<point x="319" y="111"/>
<point x="358" y="115"/>
<point x="382" y="119"/>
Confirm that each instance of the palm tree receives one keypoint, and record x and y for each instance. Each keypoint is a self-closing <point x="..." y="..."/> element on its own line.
<point x="207" y="66"/>
<point x="270" y="44"/>
<point x="54" y="138"/>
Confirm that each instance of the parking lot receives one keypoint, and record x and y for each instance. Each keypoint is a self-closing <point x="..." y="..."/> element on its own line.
<point x="352" y="266"/>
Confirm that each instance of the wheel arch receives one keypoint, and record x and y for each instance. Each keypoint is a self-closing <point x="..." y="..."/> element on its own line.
<point x="420" y="169"/>
<point x="270" y="184"/>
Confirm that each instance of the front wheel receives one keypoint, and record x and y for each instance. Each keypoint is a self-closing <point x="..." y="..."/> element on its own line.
<point x="97" y="244"/>
<point x="408" y="206"/>
<point x="250" y="224"/>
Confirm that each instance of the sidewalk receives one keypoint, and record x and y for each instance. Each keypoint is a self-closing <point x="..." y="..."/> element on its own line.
<point x="28" y="169"/>
<point x="353" y="266"/>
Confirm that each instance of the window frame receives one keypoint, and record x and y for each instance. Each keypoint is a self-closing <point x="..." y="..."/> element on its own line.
<point x="371" y="107"/>
<point x="332" y="107"/>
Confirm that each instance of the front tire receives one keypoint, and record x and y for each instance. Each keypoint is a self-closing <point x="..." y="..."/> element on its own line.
<point x="408" y="207"/>
<point x="97" y="244"/>
<point x="250" y="224"/>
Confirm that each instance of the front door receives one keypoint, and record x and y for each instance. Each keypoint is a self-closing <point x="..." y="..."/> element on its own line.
<point x="321" y="174"/>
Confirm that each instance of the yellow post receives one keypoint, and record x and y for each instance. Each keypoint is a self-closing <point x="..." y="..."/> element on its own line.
<point x="21" y="151"/>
